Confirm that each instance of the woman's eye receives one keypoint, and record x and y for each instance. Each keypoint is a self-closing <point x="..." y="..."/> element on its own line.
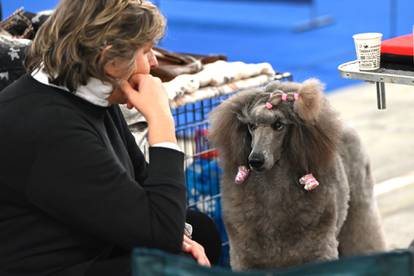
<point x="278" y="126"/>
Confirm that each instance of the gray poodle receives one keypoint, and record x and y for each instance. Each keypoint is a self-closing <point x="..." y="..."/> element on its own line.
<point x="296" y="185"/>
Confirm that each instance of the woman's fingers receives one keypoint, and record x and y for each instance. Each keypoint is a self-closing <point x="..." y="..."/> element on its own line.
<point x="198" y="255"/>
<point x="130" y="92"/>
<point x="135" y="79"/>
<point x="196" y="250"/>
<point x="127" y="88"/>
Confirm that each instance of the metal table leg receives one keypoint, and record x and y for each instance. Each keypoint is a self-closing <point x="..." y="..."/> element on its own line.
<point x="381" y="101"/>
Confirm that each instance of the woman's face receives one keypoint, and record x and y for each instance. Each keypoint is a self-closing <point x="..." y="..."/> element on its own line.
<point x="144" y="60"/>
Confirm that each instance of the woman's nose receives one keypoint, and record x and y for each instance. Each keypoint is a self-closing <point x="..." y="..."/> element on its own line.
<point x="152" y="59"/>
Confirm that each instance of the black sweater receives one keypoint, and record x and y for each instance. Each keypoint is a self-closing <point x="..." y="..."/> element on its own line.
<point x="73" y="183"/>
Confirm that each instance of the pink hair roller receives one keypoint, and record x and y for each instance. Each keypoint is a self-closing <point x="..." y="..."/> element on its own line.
<point x="242" y="175"/>
<point x="269" y="105"/>
<point x="309" y="181"/>
<point x="296" y="96"/>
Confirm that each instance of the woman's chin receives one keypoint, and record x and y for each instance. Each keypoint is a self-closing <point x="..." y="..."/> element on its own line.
<point x="116" y="98"/>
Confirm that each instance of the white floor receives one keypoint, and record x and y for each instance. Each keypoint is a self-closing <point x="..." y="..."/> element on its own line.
<point x="389" y="139"/>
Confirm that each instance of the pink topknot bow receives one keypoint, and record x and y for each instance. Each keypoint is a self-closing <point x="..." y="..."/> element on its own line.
<point x="285" y="97"/>
<point x="242" y="175"/>
<point x="309" y="181"/>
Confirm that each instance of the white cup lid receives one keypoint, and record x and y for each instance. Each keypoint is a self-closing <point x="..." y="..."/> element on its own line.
<point x="367" y="36"/>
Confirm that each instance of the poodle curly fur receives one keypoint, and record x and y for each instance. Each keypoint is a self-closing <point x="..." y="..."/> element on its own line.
<point x="270" y="219"/>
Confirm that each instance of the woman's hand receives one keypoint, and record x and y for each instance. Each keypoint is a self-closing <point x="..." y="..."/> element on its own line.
<point x="148" y="96"/>
<point x="151" y="98"/>
<point x="196" y="250"/>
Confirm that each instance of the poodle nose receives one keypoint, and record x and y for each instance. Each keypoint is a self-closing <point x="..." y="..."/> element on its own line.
<point x="256" y="161"/>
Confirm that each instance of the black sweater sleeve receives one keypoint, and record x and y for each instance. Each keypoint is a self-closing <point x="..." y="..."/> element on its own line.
<point x="78" y="181"/>
<point x="135" y="154"/>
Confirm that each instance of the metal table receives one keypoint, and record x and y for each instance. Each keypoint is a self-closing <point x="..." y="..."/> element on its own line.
<point x="350" y="70"/>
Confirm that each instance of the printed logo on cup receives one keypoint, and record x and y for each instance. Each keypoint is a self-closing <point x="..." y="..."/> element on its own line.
<point x="368" y="50"/>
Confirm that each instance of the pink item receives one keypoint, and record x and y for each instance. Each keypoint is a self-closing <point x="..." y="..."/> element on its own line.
<point x="296" y="96"/>
<point x="309" y="182"/>
<point x="242" y="175"/>
<point x="284" y="97"/>
<point x="268" y="105"/>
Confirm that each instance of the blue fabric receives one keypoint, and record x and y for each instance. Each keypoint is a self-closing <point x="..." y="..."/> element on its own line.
<point x="153" y="262"/>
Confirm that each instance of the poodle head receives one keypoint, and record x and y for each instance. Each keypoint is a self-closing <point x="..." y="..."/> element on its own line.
<point x="284" y="121"/>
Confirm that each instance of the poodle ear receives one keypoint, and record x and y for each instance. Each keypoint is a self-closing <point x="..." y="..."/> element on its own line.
<point x="309" y="104"/>
<point x="315" y="135"/>
<point x="228" y="131"/>
<point x="312" y="148"/>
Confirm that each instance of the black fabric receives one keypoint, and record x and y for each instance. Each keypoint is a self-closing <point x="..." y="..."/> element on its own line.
<point x="399" y="59"/>
<point x="18" y="25"/>
<point x="397" y="66"/>
<point x="12" y="55"/>
<point x="397" y="62"/>
<point x="73" y="183"/>
<point x="120" y="266"/>
<point x="397" y="53"/>
<point x="18" y="30"/>
<point x="36" y="19"/>
<point x="24" y="24"/>
<point x="204" y="232"/>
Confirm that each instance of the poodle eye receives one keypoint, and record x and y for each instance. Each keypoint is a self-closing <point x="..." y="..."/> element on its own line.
<point x="278" y="126"/>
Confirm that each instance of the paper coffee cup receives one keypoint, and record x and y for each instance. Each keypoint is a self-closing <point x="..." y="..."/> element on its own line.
<point x="368" y="50"/>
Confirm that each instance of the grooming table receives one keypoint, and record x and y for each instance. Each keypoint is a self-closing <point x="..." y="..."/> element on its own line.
<point x="350" y="70"/>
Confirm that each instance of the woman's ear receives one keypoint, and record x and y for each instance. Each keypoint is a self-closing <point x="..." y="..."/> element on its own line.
<point x="112" y="69"/>
<point x="309" y="104"/>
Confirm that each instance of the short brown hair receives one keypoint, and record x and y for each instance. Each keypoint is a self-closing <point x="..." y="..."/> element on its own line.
<point x="69" y="44"/>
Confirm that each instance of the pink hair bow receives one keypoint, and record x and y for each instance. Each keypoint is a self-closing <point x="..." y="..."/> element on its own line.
<point x="284" y="98"/>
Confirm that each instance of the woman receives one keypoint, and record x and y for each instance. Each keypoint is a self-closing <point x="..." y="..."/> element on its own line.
<point x="76" y="194"/>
